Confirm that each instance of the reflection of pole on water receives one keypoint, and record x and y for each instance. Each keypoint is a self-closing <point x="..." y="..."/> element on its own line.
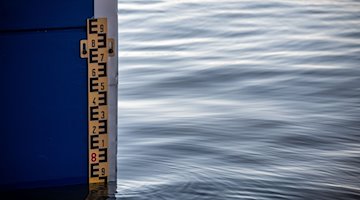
<point x="99" y="191"/>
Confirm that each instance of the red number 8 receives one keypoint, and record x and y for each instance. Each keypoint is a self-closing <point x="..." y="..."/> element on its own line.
<point x="93" y="157"/>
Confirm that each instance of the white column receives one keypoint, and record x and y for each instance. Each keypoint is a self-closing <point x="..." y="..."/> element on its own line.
<point x="108" y="9"/>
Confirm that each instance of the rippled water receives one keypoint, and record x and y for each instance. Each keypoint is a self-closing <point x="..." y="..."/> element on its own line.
<point x="239" y="99"/>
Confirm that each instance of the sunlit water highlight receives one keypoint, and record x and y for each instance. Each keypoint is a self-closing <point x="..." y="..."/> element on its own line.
<point x="239" y="99"/>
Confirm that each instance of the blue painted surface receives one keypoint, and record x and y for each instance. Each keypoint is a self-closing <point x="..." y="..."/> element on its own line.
<point x="39" y="14"/>
<point x="44" y="98"/>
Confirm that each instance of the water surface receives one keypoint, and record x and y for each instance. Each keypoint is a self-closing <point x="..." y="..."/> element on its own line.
<point x="239" y="99"/>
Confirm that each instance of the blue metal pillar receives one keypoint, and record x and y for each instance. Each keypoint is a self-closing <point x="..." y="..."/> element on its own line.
<point x="43" y="119"/>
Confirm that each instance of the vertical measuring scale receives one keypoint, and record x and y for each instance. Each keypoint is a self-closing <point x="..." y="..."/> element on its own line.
<point x="100" y="50"/>
<point x="96" y="49"/>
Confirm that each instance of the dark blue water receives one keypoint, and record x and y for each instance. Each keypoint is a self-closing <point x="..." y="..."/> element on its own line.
<point x="239" y="99"/>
